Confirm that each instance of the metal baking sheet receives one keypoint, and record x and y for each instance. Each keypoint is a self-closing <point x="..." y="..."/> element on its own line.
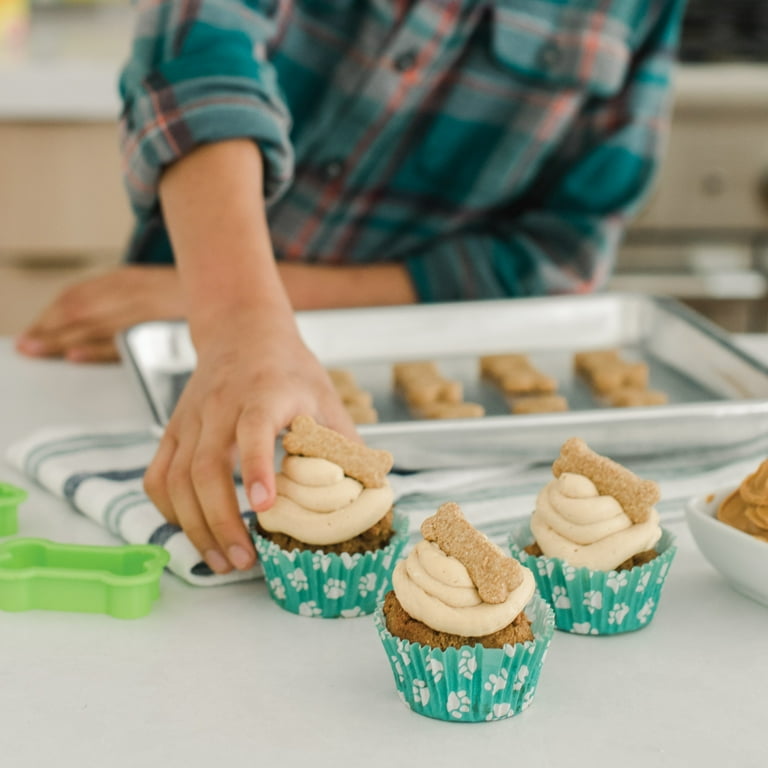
<point x="718" y="394"/>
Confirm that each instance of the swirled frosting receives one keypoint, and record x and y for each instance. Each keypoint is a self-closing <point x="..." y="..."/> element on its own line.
<point x="317" y="504"/>
<point x="437" y="589"/>
<point x="574" y="522"/>
<point x="747" y="507"/>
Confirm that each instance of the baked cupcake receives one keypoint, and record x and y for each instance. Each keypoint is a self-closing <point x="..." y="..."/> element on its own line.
<point x="594" y="544"/>
<point x="329" y="543"/>
<point x="463" y="629"/>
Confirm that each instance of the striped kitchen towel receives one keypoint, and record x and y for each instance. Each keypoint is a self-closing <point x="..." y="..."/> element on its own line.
<point x="99" y="472"/>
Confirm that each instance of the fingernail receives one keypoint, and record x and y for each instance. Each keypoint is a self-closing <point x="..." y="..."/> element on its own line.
<point x="30" y="346"/>
<point x="239" y="557"/>
<point x="217" y="561"/>
<point x="257" y="494"/>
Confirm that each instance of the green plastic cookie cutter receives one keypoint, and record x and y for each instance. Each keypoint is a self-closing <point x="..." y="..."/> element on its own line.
<point x="120" y="581"/>
<point x="10" y="498"/>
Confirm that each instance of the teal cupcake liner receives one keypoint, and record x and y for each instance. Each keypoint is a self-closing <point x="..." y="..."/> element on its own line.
<point x="588" y="602"/>
<point x="327" y="585"/>
<point x="470" y="684"/>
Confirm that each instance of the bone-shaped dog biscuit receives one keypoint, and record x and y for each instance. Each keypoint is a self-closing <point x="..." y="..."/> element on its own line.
<point x="307" y="438"/>
<point x="494" y="574"/>
<point x="636" y="496"/>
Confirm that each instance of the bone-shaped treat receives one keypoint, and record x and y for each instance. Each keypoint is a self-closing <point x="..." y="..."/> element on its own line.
<point x="636" y="496"/>
<point x="494" y="574"/>
<point x="307" y="438"/>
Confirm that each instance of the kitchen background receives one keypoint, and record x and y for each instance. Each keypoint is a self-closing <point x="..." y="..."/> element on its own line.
<point x="702" y="236"/>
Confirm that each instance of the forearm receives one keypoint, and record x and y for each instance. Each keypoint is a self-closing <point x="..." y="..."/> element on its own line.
<point x="322" y="286"/>
<point x="214" y="209"/>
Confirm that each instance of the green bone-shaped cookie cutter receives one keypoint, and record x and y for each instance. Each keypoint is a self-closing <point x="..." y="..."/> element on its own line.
<point x="10" y="498"/>
<point x="120" y="581"/>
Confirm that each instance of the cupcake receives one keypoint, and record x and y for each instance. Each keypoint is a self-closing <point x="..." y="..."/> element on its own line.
<point x="329" y="543"/>
<point x="594" y="544"/>
<point x="746" y="508"/>
<point x="463" y="629"/>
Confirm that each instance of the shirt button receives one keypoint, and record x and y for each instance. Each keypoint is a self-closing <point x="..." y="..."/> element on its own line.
<point x="549" y="55"/>
<point x="405" y="61"/>
<point x="333" y="169"/>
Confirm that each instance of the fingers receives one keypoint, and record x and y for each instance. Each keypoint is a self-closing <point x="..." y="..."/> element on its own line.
<point x="190" y="482"/>
<point x="256" y="434"/>
<point x="211" y="472"/>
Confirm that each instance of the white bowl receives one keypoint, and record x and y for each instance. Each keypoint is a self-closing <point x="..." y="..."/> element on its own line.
<point x="741" y="559"/>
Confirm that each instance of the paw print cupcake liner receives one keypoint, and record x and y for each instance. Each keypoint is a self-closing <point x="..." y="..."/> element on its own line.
<point x="327" y="585"/>
<point x="473" y="683"/>
<point x="588" y="602"/>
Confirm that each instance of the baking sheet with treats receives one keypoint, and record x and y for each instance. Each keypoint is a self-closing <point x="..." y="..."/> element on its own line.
<point x="718" y="394"/>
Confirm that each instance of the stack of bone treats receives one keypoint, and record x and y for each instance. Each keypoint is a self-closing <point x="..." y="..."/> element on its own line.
<point x="525" y="388"/>
<point x="357" y="401"/>
<point x="431" y="396"/>
<point x="616" y="381"/>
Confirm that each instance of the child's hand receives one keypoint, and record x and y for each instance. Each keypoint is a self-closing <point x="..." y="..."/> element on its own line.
<point x="81" y="322"/>
<point x="251" y="380"/>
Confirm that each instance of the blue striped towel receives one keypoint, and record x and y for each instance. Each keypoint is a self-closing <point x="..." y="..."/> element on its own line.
<point x="99" y="473"/>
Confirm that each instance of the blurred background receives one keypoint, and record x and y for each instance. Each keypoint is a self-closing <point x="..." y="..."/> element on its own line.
<point x="702" y="236"/>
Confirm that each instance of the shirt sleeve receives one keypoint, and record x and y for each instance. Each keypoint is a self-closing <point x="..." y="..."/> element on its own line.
<point x="197" y="74"/>
<point x="563" y="238"/>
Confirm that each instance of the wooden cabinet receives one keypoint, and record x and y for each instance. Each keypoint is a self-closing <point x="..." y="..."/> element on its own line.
<point x="63" y="212"/>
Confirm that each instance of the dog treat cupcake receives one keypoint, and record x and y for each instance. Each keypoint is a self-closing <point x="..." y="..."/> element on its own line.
<point x="747" y="507"/>
<point x="463" y="629"/>
<point x="330" y="541"/>
<point x="595" y="545"/>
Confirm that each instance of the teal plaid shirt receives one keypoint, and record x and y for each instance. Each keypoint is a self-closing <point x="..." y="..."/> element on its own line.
<point x="494" y="147"/>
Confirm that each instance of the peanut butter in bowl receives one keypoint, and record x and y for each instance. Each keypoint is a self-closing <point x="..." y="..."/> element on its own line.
<point x="746" y="508"/>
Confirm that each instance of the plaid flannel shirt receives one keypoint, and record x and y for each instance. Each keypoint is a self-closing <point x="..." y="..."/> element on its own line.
<point x="494" y="147"/>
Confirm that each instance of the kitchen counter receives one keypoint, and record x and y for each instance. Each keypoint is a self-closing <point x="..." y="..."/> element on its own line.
<point x="223" y="675"/>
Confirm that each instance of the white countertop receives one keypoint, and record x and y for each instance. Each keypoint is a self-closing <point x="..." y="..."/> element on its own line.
<point x="222" y="675"/>
<point x="68" y="70"/>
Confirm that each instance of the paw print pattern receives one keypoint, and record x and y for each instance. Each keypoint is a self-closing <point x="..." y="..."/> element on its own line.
<point x="643" y="583"/>
<point x="593" y="600"/>
<point x="309" y="608"/>
<point x="334" y="588"/>
<point x="616" y="581"/>
<point x="662" y="573"/>
<point x="277" y="588"/>
<point x="321" y="561"/>
<point x="467" y="664"/>
<point x="520" y="677"/>
<point x="435" y="667"/>
<point x="618" y="613"/>
<point x="569" y="572"/>
<point x="560" y="597"/>
<point x="497" y="683"/>
<point x="420" y="692"/>
<point x="500" y="711"/>
<point x="367" y="584"/>
<point x="457" y="704"/>
<point x="351" y="613"/>
<point x="645" y="612"/>
<point x="583" y="628"/>
<point x="298" y="580"/>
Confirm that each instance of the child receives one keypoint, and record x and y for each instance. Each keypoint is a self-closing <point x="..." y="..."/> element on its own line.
<point x="310" y="154"/>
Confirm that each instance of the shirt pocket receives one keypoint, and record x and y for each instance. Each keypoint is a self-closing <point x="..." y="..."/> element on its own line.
<point x="574" y="45"/>
<point x="544" y="60"/>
